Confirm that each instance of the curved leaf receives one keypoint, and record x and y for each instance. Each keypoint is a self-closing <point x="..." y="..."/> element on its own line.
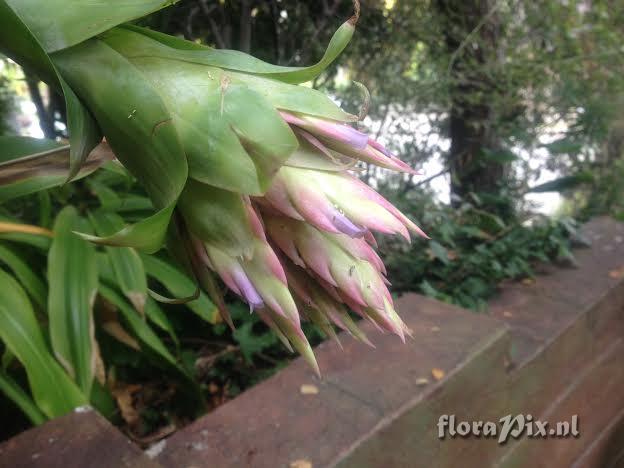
<point x="53" y="391"/>
<point x="73" y="282"/>
<point x="25" y="275"/>
<point x="138" y="326"/>
<point x="75" y="21"/>
<point x="29" y="165"/>
<point x="178" y="284"/>
<point x="146" y="235"/>
<point x="235" y="60"/>
<point x="138" y="127"/>
<point x="18" y="42"/>
<point x="15" y="393"/>
<point x="126" y="263"/>
<point x="189" y="76"/>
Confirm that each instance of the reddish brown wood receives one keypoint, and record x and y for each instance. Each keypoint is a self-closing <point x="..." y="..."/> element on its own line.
<point x="80" y="439"/>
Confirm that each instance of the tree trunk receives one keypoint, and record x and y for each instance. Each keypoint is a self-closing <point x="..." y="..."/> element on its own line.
<point x="471" y="31"/>
<point x="46" y="120"/>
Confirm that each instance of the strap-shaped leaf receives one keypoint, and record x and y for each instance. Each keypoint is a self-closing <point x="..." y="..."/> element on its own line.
<point x="73" y="282"/>
<point x="18" y="42"/>
<point x="59" y="24"/>
<point x="13" y="230"/>
<point x="180" y="285"/>
<point x="152" y="311"/>
<point x="29" y="165"/>
<point x="17" y="394"/>
<point x="138" y="127"/>
<point x="126" y="263"/>
<point x="139" y="327"/>
<point x="52" y="389"/>
<point x="31" y="282"/>
<point x="156" y="315"/>
<point x="236" y="60"/>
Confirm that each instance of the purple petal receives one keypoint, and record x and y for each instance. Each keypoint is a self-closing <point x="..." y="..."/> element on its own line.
<point x="248" y="291"/>
<point x="346" y="226"/>
<point x="379" y="147"/>
<point x="341" y="132"/>
<point x="329" y="129"/>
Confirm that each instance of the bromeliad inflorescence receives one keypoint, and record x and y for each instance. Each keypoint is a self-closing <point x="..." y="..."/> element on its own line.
<point x="249" y="171"/>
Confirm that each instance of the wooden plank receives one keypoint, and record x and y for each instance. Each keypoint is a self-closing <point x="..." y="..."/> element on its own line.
<point x="79" y="439"/>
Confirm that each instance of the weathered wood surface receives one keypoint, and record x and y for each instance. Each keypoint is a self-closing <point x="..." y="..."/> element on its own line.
<point x="82" y="439"/>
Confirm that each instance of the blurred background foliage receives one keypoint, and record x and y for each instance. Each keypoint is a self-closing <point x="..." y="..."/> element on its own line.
<point x="511" y="108"/>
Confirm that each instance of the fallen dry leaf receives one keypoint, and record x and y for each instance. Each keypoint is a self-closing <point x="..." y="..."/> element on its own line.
<point x="437" y="373"/>
<point x="617" y="274"/>
<point x="301" y="464"/>
<point x="528" y="281"/>
<point x="307" y="389"/>
<point x="435" y="329"/>
<point x="507" y="314"/>
<point x="124" y="395"/>
<point x="114" y="329"/>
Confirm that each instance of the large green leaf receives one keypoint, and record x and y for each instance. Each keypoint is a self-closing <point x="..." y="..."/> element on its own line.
<point x="196" y="75"/>
<point x="180" y="285"/>
<point x="59" y="24"/>
<point x="126" y="263"/>
<point x="18" y="42"/>
<point x="138" y="127"/>
<point x="235" y="60"/>
<point x="53" y="391"/>
<point x="233" y="137"/>
<point x="29" y="165"/>
<point x="73" y="282"/>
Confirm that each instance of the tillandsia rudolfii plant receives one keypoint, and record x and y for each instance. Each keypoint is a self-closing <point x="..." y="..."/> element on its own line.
<point x="249" y="171"/>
